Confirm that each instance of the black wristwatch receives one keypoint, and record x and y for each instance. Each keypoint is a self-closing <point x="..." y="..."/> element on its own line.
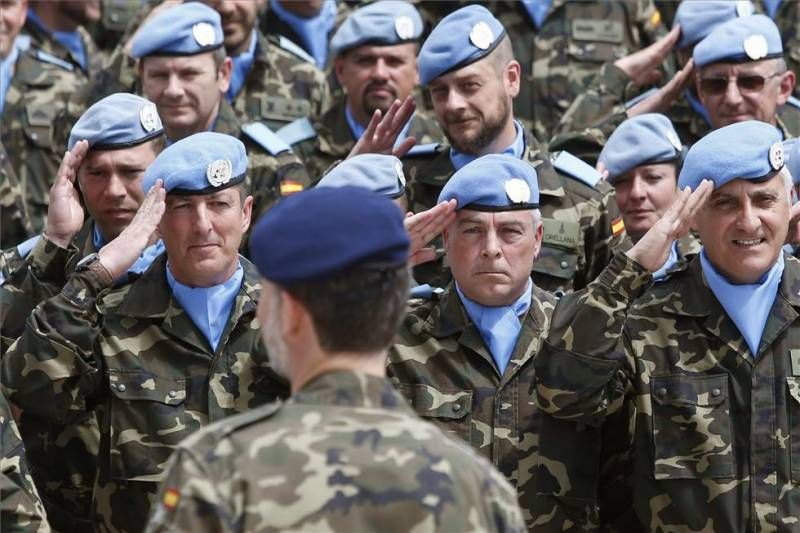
<point x="91" y="263"/>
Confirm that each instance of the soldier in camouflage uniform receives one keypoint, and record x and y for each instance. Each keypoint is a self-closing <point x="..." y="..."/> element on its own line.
<point x="561" y="45"/>
<point x="374" y="56"/>
<point x="464" y="358"/>
<point x="168" y="44"/>
<point x="582" y="225"/>
<point x="707" y="360"/>
<point x="110" y="146"/>
<point x="179" y="344"/>
<point x="21" y="509"/>
<point x="786" y="15"/>
<point x="367" y="462"/>
<point x="605" y="104"/>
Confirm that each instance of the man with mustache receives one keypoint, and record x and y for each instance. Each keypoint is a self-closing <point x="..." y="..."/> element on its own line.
<point x="374" y="53"/>
<point x="468" y="65"/>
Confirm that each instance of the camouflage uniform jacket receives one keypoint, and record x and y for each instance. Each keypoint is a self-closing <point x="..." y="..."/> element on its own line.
<point x="21" y="509"/>
<point x="604" y="104"/>
<point x="578" y="239"/>
<point x="345" y="453"/>
<point x="334" y="138"/>
<point x="135" y="357"/>
<point x="576" y="38"/>
<point x="41" y="38"/>
<point x="715" y="431"/>
<point x="15" y="224"/>
<point x="39" y="92"/>
<point x="280" y="87"/>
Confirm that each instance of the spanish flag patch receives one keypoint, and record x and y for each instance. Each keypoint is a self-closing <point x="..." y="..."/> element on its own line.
<point x="171" y="498"/>
<point x="617" y="226"/>
<point x="290" y="187"/>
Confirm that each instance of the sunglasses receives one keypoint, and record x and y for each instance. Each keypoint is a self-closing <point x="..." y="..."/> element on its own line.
<point x="747" y="84"/>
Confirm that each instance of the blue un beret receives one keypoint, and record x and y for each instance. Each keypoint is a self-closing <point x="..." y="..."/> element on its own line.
<point x="386" y="23"/>
<point x="184" y="30"/>
<point x="202" y="163"/>
<point x="740" y="40"/>
<point x="461" y="38"/>
<point x="699" y="17"/>
<point x="750" y="150"/>
<point x="379" y="173"/>
<point x="117" y="121"/>
<point x="791" y="151"/>
<point x="319" y="233"/>
<point x="641" y="140"/>
<point x="495" y="182"/>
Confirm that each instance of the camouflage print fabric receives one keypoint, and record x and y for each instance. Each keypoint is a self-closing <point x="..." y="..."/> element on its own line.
<point x="15" y="224"/>
<point x="281" y="87"/>
<point x="269" y="176"/>
<point x="715" y="430"/>
<point x="788" y="20"/>
<point x="603" y="105"/>
<point x="578" y="240"/>
<point x="560" y="58"/>
<point x="345" y="453"/>
<point x="45" y="41"/>
<point x="334" y="139"/>
<point x="134" y="357"/>
<point x="21" y="510"/>
<point x="39" y="91"/>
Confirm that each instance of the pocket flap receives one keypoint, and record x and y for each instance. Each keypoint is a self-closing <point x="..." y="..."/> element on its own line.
<point x="437" y="403"/>
<point x="689" y="390"/>
<point x="139" y="385"/>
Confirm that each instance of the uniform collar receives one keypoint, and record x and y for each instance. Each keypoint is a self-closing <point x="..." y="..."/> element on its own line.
<point x="351" y="389"/>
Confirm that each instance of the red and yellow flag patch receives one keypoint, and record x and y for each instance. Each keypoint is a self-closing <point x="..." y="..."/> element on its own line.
<point x="617" y="226"/>
<point x="290" y="187"/>
<point x="171" y="498"/>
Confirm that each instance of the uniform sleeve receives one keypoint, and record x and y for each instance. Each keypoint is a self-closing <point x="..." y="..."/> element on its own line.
<point x="189" y="499"/>
<point x="52" y="369"/>
<point x="582" y="372"/>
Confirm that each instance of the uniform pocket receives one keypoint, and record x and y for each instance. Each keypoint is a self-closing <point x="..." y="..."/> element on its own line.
<point x="691" y="427"/>
<point x="793" y="385"/>
<point x="449" y="409"/>
<point x="147" y="422"/>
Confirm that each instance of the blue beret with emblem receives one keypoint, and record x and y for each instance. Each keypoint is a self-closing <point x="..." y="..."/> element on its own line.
<point x="750" y="150"/>
<point x="461" y="38"/>
<point x="642" y="140"/>
<point x="117" y="121"/>
<point x="385" y="23"/>
<point x="202" y="163"/>
<point x="379" y="173"/>
<point x="791" y="151"/>
<point x="740" y="40"/>
<point x="296" y="241"/>
<point x="698" y="18"/>
<point x="184" y="30"/>
<point x="495" y="182"/>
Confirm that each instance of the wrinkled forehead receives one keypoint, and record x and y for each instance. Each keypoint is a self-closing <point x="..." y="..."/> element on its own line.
<point x="402" y="51"/>
<point x="156" y="62"/>
<point x="742" y="187"/>
<point x="497" y="218"/>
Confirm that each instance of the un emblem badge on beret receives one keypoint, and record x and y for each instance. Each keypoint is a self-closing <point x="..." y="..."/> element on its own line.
<point x="518" y="191"/>
<point x="148" y="117"/>
<point x="219" y="172"/>
<point x="755" y="46"/>
<point x="203" y="34"/>
<point x="404" y="27"/>
<point x="672" y="137"/>
<point x="481" y="36"/>
<point x="776" y="158"/>
<point x="744" y="8"/>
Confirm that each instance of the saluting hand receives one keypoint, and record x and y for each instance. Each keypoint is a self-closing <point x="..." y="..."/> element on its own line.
<point x="653" y="248"/>
<point x="65" y="212"/>
<point x="661" y="100"/>
<point x="643" y="66"/>
<point x="121" y="253"/>
<point x="383" y="130"/>
<point x="423" y="227"/>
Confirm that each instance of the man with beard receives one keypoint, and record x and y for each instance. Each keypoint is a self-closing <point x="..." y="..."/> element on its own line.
<point x="468" y="65"/>
<point x="345" y="452"/>
<point x="375" y="61"/>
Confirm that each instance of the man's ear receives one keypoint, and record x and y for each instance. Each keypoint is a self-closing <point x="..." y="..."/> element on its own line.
<point x="224" y="74"/>
<point x="538" y="236"/>
<point x="512" y="77"/>
<point x="788" y="81"/>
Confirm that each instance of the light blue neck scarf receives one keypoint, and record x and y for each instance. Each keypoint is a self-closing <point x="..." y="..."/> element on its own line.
<point x="208" y="307"/>
<point x="747" y="305"/>
<point x="537" y="10"/>
<point x="672" y="260"/>
<point x="71" y="40"/>
<point x="314" y="31"/>
<point x="241" y="68"/>
<point x="499" y="326"/>
<point x="517" y="149"/>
